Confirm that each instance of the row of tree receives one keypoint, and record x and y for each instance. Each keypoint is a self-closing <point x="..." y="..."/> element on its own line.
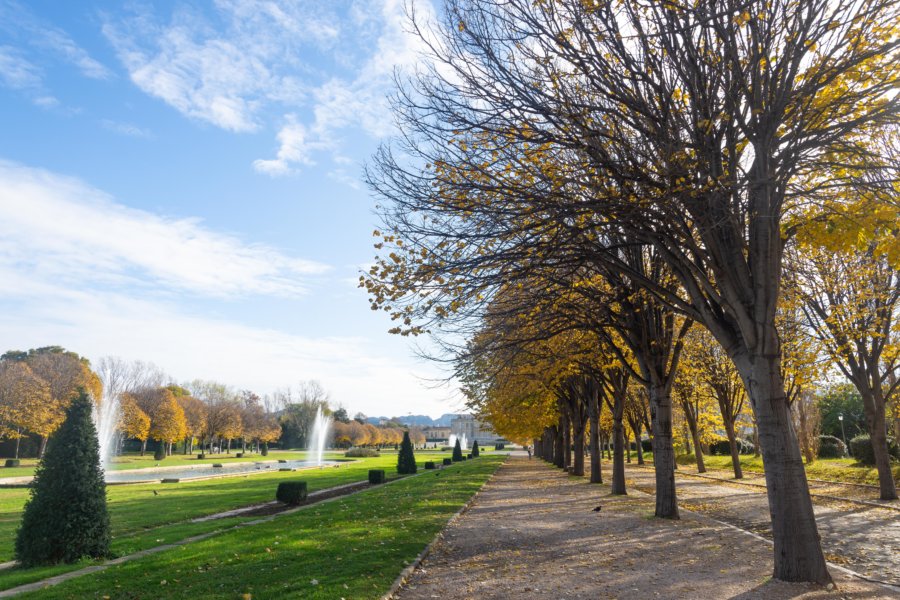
<point x="37" y="386"/>
<point x="583" y="187"/>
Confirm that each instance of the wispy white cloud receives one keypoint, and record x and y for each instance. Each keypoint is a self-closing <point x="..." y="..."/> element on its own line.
<point x="313" y="69"/>
<point x="126" y="129"/>
<point x="222" y="68"/>
<point x="16" y="71"/>
<point x="61" y="230"/>
<point x="357" y="371"/>
<point x="360" y="101"/>
<point x="21" y="25"/>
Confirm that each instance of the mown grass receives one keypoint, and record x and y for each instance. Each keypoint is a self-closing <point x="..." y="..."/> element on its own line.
<point x="141" y="519"/>
<point x="352" y="547"/>
<point x="845" y="470"/>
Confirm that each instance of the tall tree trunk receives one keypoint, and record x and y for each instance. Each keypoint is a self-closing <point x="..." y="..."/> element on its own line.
<point x="143" y="447"/>
<point x="618" y="477"/>
<point x="559" y="448"/>
<point x="732" y="445"/>
<point x="567" y="441"/>
<point x="18" y="441"/>
<point x="798" y="551"/>
<point x="627" y="445"/>
<point x="663" y="452"/>
<point x="594" y="416"/>
<point x="875" y="418"/>
<point x="695" y="435"/>
<point x="44" y="439"/>
<point x="638" y="442"/>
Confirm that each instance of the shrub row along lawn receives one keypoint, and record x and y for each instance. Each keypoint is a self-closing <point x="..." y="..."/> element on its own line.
<point x="352" y="547"/>
<point x="141" y="519"/>
<point x="845" y="470"/>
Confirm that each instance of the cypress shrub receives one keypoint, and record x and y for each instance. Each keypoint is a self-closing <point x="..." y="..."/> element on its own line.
<point x="160" y="452"/>
<point x="265" y="449"/>
<point x="65" y="517"/>
<point x="406" y="460"/>
<point x="429" y="465"/>
<point x="376" y="476"/>
<point x="475" y="450"/>
<point x="457" y="452"/>
<point x="291" y="492"/>
<point x="447" y="461"/>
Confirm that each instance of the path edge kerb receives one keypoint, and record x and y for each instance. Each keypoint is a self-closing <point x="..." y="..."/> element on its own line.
<point x="415" y="564"/>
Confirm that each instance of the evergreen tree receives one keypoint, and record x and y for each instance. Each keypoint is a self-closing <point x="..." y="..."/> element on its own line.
<point x="457" y="452"/>
<point x="406" y="460"/>
<point x="475" y="450"/>
<point x="65" y="517"/>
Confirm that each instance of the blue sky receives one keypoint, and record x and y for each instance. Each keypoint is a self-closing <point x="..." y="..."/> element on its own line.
<point x="180" y="183"/>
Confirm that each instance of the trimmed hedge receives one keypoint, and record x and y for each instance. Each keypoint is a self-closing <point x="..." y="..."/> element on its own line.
<point x="861" y="449"/>
<point x="429" y="465"/>
<point x="362" y="453"/>
<point x="291" y="492"/>
<point x="448" y="461"/>
<point x="12" y="462"/>
<point x="831" y="447"/>
<point x="201" y="456"/>
<point x="723" y="448"/>
<point x="376" y="476"/>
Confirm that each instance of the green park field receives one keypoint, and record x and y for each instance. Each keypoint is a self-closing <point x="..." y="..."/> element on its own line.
<point x="362" y="540"/>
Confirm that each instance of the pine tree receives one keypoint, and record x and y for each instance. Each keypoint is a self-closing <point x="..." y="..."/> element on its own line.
<point x="65" y="517"/>
<point x="457" y="452"/>
<point x="406" y="460"/>
<point x="475" y="450"/>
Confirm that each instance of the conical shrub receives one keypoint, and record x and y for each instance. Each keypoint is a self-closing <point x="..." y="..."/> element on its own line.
<point x="406" y="460"/>
<point x="65" y="518"/>
<point x="475" y="450"/>
<point x="457" y="452"/>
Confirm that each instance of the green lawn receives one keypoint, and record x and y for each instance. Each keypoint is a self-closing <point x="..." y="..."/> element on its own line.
<point x="832" y="469"/>
<point x="352" y="547"/>
<point x="142" y="520"/>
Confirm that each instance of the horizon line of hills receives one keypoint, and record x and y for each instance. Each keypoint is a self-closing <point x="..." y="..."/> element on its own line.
<point x="416" y="420"/>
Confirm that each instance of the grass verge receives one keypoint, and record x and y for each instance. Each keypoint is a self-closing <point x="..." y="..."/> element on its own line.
<point x="141" y="519"/>
<point x="352" y="547"/>
<point x="845" y="470"/>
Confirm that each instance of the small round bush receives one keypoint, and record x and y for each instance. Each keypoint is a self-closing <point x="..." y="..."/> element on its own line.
<point x="861" y="449"/>
<point x="831" y="447"/>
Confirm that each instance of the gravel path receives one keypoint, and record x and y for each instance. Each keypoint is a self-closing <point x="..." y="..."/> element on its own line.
<point x="863" y="538"/>
<point x="532" y="533"/>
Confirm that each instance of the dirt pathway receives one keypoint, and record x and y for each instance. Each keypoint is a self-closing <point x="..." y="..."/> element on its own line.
<point x="532" y="533"/>
<point x="863" y="538"/>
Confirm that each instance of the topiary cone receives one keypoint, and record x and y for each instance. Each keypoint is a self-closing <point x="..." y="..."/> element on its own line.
<point x="65" y="517"/>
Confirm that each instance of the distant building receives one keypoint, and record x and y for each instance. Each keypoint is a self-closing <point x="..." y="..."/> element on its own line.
<point x="436" y="435"/>
<point x="474" y="430"/>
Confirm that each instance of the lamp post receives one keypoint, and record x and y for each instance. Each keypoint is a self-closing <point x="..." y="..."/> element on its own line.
<point x="843" y="435"/>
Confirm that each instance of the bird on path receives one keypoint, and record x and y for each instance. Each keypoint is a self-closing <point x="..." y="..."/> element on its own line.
<point x="597" y="509"/>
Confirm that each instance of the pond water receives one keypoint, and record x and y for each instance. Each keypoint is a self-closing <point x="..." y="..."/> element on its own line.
<point x="207" y="470"/>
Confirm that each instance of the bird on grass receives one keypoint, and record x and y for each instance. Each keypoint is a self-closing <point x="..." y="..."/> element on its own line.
<point x="155" y="493"/>
<point x="597" y="509"/>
